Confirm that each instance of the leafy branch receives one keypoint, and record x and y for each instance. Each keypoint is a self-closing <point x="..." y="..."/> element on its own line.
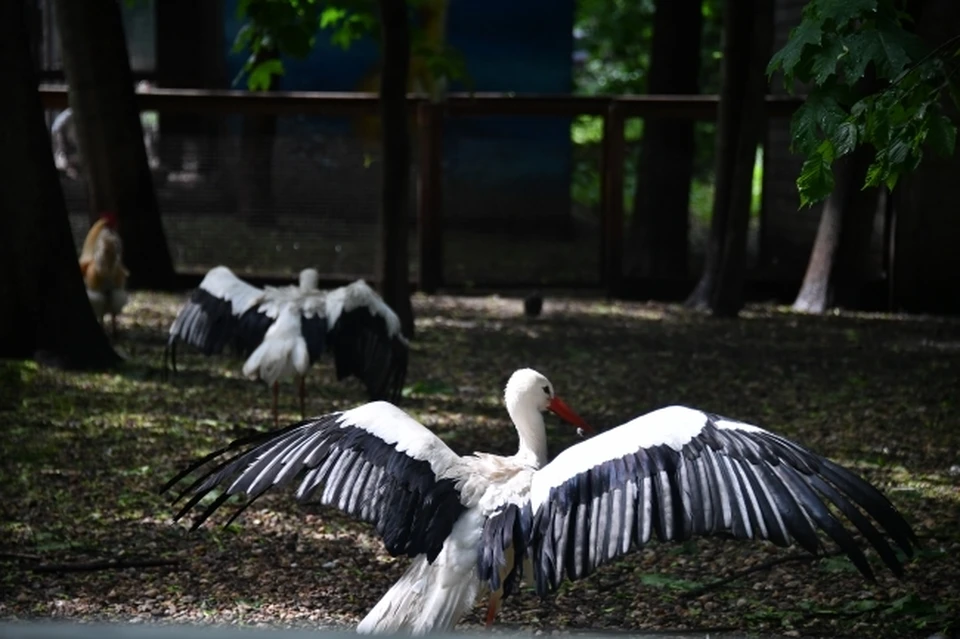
<point x="871" y="82"/>
<point x="275" y="29"/>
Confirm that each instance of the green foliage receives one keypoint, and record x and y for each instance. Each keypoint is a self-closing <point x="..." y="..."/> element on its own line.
<point x="289" y="28"/>
<point x="615" y="37"/>
<point x="872" y="82"/>
<point x="273" y="29"/>
<point x="348" y="21"/>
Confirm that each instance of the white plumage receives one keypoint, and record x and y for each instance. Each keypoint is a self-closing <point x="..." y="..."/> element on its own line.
<point x="283" y="330"/>
<point x="471" y="523"/>
<point x="282" y="353"/>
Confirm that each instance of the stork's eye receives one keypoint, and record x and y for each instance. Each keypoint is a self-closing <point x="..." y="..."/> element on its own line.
<point x="546" y="389"/>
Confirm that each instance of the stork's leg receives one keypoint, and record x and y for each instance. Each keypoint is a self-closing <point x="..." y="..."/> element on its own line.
<point x="113" y="325"/>
<point x="303" y="392"/>
<point x="276" y="391"/>
<point x="493" y="607"/>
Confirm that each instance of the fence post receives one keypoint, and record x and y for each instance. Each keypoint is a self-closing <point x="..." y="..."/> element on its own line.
<point x="611" y="200"/>
<point x="430" y="195"/>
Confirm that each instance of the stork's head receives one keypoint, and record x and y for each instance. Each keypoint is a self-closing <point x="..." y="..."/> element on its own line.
<point x="309" y="279"/>
<point x="529" y="391"/>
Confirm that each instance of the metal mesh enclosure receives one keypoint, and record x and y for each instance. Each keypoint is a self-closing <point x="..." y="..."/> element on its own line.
<point x="320" y="207"/>
<point x="506" y="219"/>
<point x="508" y="213"/>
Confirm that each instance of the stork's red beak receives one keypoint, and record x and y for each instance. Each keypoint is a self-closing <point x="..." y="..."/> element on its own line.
<point x="559" y="408"/>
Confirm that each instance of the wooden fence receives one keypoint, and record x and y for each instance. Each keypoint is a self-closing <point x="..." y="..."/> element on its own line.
<point x="429" y="136"/>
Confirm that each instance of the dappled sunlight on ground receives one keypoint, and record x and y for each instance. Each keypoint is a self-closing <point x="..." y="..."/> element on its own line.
<point x="85" y="454"/>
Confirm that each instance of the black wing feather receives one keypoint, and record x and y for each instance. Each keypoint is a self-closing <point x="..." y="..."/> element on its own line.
<point x="413" y="511"/>
<point x="363" y="348"/>
<point x="777" y="490"/>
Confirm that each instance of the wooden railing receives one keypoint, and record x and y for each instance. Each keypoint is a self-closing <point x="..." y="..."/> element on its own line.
<point x="430" y="117"/>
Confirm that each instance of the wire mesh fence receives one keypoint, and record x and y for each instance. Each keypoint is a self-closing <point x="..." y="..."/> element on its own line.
<point x="508" y="215"/>
<point x="509" y="208"/>
<point x="311" y="199"/>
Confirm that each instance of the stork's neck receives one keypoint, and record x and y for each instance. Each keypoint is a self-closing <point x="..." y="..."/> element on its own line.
<point x="533" y="435"/>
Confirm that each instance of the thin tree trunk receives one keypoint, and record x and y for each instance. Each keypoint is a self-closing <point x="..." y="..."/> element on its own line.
<point x="190" y="56"/>
<point x="660" y="225"/>
<point x="747" y="38"/>
<point x="815" y="293"/>
<point x="97" y="68"/>
<point x="256" y="161"/>
<point x="46" y="313"/>
<point x="836" y="268"/>
<point x="392" y="267"/>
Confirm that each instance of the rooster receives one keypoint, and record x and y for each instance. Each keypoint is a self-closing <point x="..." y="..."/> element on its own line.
<point x="101" y="263"/>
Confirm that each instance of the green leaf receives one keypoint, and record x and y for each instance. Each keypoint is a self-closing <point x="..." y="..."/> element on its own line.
<point x="891" y="180"/>
<point x="331" y="16"/>
<point x="824" y="64"/>
<point x="816" y="176"/>
<point x="877" y="171"/>
<point x="244" y="36"/>
<point x="803" y="128"/>
<point x="262" y="74"/>
<point x="840" y="12"/>
<point x="820" y="113"/>
<point x="845" y="139"/>
<point x="808" y="32"/>
<point x="885" y="46"/>
<point x="898" y="152"/>
<point x="942" y="135"/>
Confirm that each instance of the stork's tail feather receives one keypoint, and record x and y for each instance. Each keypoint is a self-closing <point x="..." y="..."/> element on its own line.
<point x="424" y="600"/>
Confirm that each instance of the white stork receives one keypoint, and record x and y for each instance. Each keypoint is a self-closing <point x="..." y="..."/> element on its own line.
<point x="283" y="330"/>
<point x="471" y="523"/>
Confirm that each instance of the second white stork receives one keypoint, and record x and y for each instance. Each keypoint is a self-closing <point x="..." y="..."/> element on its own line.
<point x="283" y="330"/>
<point x="471" y="523"/>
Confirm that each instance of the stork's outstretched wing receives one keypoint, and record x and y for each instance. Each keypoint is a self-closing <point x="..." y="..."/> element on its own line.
<point x="211" y="318"/>
<point x="365" y="337"/>
<point x="374" y="462"/>
<point x="679" y="472"/>
<point x="225" y="310"/>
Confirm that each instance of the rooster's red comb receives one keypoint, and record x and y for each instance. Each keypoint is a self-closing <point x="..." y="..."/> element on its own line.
<point x="110" y="217"/>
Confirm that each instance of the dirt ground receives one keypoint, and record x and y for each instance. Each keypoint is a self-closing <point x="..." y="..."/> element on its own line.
<point x="84" y="454"/>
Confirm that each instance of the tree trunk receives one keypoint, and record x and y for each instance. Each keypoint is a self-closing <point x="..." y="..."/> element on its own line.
<point x="257" y="135"/>
<point x="660" y="225"/>
<point x="747" y="38"/>
<point x="190" y="56"/>
<point x="838" y="259"/>
<point x="392" y="266"/>
<point x="46" y="312"/>
<point x="97" y="68"/>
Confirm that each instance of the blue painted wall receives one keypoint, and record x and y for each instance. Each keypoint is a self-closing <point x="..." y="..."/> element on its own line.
<point x="524" y="46"/>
